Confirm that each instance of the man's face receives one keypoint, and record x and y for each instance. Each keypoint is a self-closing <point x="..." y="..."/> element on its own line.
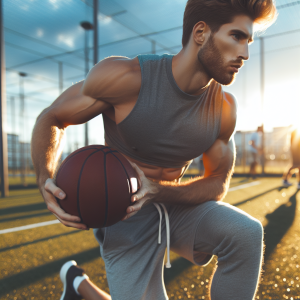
<point x="225" y="50"/>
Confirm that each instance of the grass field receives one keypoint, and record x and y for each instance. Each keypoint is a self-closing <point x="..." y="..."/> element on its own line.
<point x="31" y="259"/>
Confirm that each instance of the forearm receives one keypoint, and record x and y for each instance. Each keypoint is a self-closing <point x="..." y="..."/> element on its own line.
<point x="193" y="192"/>
<point x="46" y="146"/>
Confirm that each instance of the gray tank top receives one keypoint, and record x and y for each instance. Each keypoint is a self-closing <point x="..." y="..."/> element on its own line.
<point x="167" y="127"/>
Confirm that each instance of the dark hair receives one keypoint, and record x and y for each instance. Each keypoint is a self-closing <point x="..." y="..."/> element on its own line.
<point x="215" y="13"/>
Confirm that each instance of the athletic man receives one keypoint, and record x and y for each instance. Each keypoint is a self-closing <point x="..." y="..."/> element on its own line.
<point x="161" y="112"/>
<point x="295" y="167"/>
<point x="255" y="150"/>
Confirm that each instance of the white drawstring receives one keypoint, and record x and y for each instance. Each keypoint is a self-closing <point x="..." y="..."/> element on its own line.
<point x="159" y="227"/>
<point x="168" y="264"/>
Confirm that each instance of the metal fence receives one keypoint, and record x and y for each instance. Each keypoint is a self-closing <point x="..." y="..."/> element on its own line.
<point x="48" y="48"/>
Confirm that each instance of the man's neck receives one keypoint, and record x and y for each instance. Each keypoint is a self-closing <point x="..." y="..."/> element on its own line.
<point x="189" y="73"/>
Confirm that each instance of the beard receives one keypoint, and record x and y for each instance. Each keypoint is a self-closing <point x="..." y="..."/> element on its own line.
<point x="213" y="63"/>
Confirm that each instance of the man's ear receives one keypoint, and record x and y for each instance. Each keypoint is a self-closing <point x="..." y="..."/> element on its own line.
<point x="200" y="33"/>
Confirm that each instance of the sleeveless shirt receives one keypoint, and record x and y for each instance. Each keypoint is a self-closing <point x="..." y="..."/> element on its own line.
<point x="167" y="127"/>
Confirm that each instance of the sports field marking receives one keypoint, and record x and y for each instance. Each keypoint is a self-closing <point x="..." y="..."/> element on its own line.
<point x="243" y="186"/>
<point x="28" y="226"/>
<point x="8" y="230"/>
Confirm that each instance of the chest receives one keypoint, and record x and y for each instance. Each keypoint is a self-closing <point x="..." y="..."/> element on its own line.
<point x="179" y="130"/>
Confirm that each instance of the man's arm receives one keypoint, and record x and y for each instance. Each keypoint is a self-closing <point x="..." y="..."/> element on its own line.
<point x="107" y="84"/>
<point x="218" y="161"/>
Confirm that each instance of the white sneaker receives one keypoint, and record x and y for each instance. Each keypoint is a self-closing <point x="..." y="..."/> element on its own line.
<point x="285" y="183"/>
<point x="68" y="272"/>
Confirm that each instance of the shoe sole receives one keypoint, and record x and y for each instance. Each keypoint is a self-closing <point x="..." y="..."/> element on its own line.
<point x="63" y="275"/>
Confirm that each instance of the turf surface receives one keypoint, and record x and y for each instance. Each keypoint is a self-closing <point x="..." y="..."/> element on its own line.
<point x="31" y="259"/>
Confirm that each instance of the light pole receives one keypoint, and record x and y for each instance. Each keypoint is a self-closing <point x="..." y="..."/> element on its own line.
<point x="86" y="26"/>
<point x="13" y="136"/>
<point x="23" y="150"/>
<point x="3" y="135"/>
<point x="95" y="24"/>
<point x="262" y="92"/>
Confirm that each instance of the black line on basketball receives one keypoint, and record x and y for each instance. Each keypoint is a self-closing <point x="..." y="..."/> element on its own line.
<point x="124" y="170"/>
<point x="73" y="154"/>
<point x="106" y="191"/>
<point x="78" y="184"/>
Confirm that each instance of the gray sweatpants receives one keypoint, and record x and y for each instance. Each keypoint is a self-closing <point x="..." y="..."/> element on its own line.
<point x="134" y="260"/>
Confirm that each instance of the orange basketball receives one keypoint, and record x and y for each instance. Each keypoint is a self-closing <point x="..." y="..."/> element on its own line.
<point x="98" y="182"/>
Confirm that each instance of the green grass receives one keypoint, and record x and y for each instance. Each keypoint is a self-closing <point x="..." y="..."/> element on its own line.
<point x="31" y="259"/>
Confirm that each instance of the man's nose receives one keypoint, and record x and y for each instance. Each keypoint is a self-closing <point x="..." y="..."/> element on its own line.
<point x="244" y="52"/>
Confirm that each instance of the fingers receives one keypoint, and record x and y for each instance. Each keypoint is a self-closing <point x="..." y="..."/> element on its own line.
<point x="72" y="224"/>
<point x="129" y="215"/>
<point x="50" y="193"/>
<point x="53" y="189"/>
<point x="133" y="209"/>
<point x="137" y="205"/>
<point x="54" y="207"/>
<point x="139" y="195"/>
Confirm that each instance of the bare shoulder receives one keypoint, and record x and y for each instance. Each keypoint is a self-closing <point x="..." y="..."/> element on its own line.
<point x="113" y="78"/>
<point x="229" y="116"/>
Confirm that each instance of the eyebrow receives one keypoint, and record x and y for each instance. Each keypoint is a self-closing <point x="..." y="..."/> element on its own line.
<point x="243" y="34"/>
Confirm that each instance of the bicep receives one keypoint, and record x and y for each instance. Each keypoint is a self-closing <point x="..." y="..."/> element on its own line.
<point x="73" y="107"/>
<point x="219" y="159"/>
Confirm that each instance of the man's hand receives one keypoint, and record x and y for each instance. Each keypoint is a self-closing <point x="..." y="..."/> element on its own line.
<point x="49" y="192"/>
<point x="148" y="190"/>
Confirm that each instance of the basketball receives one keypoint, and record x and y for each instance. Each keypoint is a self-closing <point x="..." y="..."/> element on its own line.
<point x="98" y="182"/>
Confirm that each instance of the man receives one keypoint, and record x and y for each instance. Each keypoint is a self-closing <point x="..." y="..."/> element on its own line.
<point x="160" y="112"/>
<point x="295" y="167"/>
<point x="255" y="150"/>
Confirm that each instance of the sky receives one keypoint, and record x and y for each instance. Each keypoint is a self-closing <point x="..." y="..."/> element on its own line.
<point x="41" y="36"/>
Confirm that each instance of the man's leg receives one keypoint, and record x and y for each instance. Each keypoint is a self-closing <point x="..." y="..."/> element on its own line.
<point x="288" y="173"/>
<point x="217" y="228"/>
<point x="133" y="261"/>
<point x="253" y="165"/>
<point x="77" y="284"/>
<point x="236" y="239"/>
<point x="90" y="291"/>
<point x="133" y="258"/>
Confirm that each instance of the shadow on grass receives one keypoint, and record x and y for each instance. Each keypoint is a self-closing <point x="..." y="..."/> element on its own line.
<point x="23" y="208"/>
<point x="47" y="270"/>
<point x="40" y="240"/>
<point x="178" y="266"/>
<point x="280" y="220"/>
<point x="47" y="213"/>
<point x="241" y="181"/>
<point x="279" y="188"/>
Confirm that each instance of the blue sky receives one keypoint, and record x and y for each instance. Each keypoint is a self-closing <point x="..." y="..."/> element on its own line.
<point x="39" y="35"/>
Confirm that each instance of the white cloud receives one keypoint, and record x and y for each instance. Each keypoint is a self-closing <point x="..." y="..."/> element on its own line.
<point x="25" y="7"/>
<point x="69" y="41"/>
<point x="54" y="3"/>
<point x="40" y="32"/>
<point x="104" y="19"/>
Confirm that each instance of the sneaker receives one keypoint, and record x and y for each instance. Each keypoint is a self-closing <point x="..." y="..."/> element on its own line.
<point x="285" y="183"/>
<point x="68" y="272"/>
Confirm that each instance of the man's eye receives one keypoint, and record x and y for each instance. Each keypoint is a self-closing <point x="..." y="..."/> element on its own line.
<point x="236" y="36"/>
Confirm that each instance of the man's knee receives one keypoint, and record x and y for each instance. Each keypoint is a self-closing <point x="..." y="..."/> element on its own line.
<point x="251" y="233"/>
<point x="242" y="237"/>
<point x="248" y="238"/>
